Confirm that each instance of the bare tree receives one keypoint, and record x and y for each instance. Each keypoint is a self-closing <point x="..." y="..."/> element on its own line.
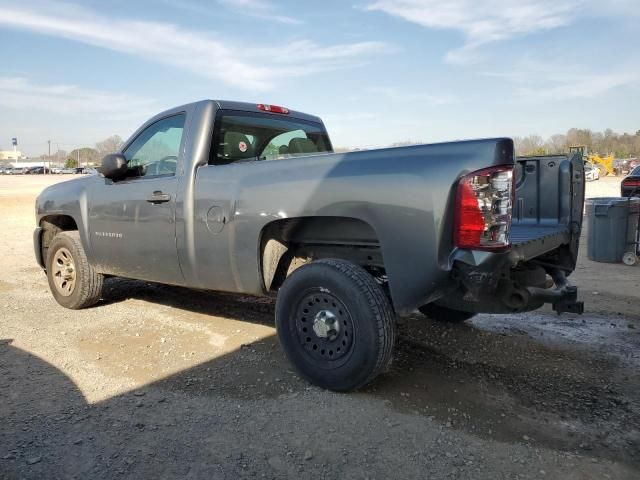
<point x="625" y="145"/>
<point x="531" y="145"/>
<point x="109" y="145"/>
<point x="557" y="144"/>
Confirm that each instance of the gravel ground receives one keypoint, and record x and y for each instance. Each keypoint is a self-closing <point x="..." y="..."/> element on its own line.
<point x="163" y="382"/>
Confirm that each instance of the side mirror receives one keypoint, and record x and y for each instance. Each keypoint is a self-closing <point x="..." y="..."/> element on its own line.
<point x="114" y="166"/>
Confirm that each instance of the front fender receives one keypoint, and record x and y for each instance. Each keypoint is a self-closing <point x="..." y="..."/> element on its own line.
<point x="68" y="199"/>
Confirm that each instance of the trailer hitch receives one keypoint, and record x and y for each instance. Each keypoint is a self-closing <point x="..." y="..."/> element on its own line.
<point x="569" y="302"/>
<point x="563" y="298"/>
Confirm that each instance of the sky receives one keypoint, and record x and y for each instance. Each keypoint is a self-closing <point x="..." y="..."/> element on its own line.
<point x="376" y="71"/>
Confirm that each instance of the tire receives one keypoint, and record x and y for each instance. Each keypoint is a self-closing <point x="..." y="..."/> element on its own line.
<point x="72" y="281"/>
<point x="444" y="314"/>
<point x="335" y="324"/>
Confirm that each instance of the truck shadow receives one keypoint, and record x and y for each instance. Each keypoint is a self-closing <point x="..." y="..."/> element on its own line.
<point x="505" y="387"/>
<point x="552" y="396"/>
<point x="233" y="306"/>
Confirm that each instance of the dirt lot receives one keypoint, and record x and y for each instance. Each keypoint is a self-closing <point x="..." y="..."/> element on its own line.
<point x="162" y="382"/>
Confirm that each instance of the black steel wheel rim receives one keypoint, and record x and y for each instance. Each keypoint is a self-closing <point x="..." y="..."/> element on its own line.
<point x="324" y="328"/>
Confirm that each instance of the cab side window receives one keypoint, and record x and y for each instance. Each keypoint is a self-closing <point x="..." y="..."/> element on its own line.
<point x="155" y="151"/>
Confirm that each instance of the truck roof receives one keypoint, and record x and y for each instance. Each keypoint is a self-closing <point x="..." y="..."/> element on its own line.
<point x="245" y="107"/>
<point x="253" y="107"/>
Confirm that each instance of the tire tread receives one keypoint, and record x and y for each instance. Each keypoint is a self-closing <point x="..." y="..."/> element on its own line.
<point x="384" y="314"/>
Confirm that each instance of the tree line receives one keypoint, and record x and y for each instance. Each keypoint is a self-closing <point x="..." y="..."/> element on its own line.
<point x="79" y="157"/>
<point x="92" y="155"/>
<point x="623" y="145"/>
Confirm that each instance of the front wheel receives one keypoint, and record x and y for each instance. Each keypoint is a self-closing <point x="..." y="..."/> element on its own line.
<point x="335" y="324"/>
<point x="73" y="282"/>
<point x="444" y="314"/>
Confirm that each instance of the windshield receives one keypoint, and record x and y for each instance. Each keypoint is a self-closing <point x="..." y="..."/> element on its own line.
<point x="636" y="171"/>
<point x="242" y="136"/>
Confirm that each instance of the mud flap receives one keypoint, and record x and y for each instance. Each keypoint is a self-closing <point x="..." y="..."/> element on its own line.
<point x="37" y="246"/>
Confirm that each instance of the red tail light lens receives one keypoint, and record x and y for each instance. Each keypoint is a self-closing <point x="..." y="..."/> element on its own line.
<point x="483" y="209"/>
<point x="631" y="182"/>
<point x="273" y="109"/>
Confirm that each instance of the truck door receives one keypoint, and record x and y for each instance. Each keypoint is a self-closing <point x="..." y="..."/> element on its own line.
<point x="132" y="221"/>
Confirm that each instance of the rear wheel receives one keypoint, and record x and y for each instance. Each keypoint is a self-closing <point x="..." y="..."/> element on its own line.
<point x="73" y="282"/>
<point x="335" y="324"/>
<point x="444" y="314"/>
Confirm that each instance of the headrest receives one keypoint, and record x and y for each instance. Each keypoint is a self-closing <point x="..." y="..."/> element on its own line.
<point x="237" y="145"/>
<point x="302" y="145"/>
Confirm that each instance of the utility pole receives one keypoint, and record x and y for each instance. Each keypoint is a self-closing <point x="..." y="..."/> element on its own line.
<point x="78" y="162"/>
<point x="49" y="157"/>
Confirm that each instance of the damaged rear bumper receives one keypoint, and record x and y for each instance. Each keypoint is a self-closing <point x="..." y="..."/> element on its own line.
<point x="498" y="283"/>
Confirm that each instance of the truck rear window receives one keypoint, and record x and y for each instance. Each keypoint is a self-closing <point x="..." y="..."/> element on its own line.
<point x="242" y="136"/>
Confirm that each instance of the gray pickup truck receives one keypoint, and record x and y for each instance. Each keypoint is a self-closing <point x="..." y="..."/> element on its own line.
<point x="249" y="198"/>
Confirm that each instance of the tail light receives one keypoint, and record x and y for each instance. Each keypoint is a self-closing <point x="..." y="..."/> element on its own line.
<point x="483" y="209"/>
<point x="273" y="108"/>
<point x="631" y="182"/>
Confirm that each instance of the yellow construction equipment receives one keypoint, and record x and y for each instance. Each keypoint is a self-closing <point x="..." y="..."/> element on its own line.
<point x="605" y="164"/>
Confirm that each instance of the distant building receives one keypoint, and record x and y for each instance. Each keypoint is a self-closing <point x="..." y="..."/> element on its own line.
<point x="10" y="155"/>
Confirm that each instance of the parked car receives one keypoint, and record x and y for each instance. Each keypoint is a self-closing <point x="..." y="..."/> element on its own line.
<point x="89" y="171"/>
<point x="249" y="198"/>
<point x="630" y="185"/>
<point x="56" y="170"/>
<point x="37" y="171"/>
<point x="68" y="171"/>
<point x="17" y="171"/>
<point x="591" y="172"/>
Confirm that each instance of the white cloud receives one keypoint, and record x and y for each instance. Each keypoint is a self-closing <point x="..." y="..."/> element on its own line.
<point x="260" y="9"/>
<point x="201" y="53"/>
<point x="20" y="94"/>
<point x="487" y="21"/>
<point x="397" y="95"/>
<point x="537" y="81"/>
<point x="572" y="86"/>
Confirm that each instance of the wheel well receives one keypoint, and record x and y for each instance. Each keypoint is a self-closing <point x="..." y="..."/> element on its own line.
<point x="51" y="226"/>
<point x="289" y="243"/>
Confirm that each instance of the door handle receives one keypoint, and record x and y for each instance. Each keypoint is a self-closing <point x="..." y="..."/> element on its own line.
<point x="158" y="197"/>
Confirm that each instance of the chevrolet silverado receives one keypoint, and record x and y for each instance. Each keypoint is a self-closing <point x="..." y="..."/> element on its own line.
<point x="247" y="198"/>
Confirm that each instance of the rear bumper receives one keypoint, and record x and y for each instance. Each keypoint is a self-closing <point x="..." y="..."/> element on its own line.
<point x="37" y="245"/>
<point x="492" y="283"/>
